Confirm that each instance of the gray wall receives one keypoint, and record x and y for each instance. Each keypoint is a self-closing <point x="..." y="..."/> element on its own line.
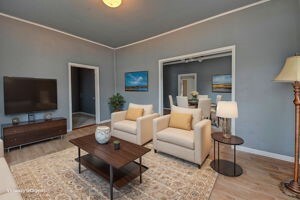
<point x="83" y="90"/>
<point x="30" y="51"/>
<point x="264" y="36"/>
<point x="204" y="70"/>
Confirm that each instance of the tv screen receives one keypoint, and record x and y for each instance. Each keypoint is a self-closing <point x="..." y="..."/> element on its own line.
<point x="26" y="95"/>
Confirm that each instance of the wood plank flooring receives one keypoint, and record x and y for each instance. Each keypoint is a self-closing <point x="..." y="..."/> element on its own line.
<point x="259" y="181"/>
<point x="82" y="119"/>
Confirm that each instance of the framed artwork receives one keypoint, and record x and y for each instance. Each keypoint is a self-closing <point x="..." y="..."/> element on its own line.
<point x="222" y="83"/>
<point x="136" y="81"/>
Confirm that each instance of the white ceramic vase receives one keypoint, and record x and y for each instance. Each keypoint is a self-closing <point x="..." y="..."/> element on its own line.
<point x="102" y="134"/>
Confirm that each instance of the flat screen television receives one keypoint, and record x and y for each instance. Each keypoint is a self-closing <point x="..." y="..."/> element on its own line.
<point x="26" y="95"/>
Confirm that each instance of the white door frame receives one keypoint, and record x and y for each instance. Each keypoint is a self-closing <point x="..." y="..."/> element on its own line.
<point x="179" y="81"/>
<point x="97" y="91"/>
<point x="231" y="49"/>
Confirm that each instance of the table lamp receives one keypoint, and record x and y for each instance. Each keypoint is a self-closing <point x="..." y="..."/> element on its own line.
<point x="291" y="73"/>
<point x="227" y="110"/>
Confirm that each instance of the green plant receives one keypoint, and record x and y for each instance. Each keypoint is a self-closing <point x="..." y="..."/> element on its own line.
<point x="116" y="102"/>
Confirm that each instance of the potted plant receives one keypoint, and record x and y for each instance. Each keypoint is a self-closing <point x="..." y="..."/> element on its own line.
<point x="116" y="102"/>
<point x="194" y="95"/>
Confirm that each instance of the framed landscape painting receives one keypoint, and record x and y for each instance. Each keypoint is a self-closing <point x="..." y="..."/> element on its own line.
<point x="222" y="83"/>
<point x="136" y="81"/>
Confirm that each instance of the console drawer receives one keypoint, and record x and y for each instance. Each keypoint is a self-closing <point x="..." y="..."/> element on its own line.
<point x="19" y="135"/>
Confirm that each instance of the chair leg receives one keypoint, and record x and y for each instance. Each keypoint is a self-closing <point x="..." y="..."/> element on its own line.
<point x="200" y="165"/>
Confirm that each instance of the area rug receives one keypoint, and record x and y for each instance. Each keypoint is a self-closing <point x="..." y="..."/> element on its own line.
<point x="55" y="176"/>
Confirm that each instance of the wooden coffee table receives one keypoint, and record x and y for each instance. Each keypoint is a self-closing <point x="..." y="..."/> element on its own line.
<point x="117" y="166"/>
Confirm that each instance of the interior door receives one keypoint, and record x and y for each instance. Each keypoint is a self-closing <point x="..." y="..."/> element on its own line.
<point x="185" y="87"/>
<point x="87" y="91"/>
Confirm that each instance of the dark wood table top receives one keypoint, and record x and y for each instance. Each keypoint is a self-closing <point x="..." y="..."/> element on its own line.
<point x="127" y="153"/>
<point x="234" y="140"/>
<point x="194" y="102"/>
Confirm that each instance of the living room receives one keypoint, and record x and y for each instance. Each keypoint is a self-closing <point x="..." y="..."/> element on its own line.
<point x="41" y="40"/>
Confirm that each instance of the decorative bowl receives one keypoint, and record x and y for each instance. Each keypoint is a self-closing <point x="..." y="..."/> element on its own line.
<point x="102" y="134"/>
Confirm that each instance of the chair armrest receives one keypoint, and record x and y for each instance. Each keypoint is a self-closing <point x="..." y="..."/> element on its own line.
<point x="117" y="116"/>
<point x="147" y="118"/>
<point x="161" y="123"/>
<point x="202" y="139"/>
<point x="1" y="149"/>
<point x="145" y="128"/>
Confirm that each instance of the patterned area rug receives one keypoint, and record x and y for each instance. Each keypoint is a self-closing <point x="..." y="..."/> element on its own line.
<point x="55" y="176"/>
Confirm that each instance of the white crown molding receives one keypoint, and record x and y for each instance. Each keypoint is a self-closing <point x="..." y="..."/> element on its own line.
<point x="55" y="30"/>
<point x="196" y="23"/>
<point x="141" y="41"/>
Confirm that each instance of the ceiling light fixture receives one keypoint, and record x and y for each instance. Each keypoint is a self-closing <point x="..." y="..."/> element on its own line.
<point x="113" y="3"/>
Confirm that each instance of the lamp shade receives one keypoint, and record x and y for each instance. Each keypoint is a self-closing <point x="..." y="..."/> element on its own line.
<point x="290" y="71"/>
<point x="227" y="109"/>
<point x="113" y="3"/>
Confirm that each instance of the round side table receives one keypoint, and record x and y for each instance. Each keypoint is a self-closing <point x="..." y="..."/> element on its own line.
<point x="226" y="167"/>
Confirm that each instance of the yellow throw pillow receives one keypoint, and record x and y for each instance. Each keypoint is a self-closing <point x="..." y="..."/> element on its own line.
<point x="134" y="113"/>
<point x="195" y="112"/>
<point x="181" y="121"/>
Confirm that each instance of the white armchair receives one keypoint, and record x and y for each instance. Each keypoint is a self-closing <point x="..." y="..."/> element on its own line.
<point x="139" y="131"/>
<point x="193" y="146"/>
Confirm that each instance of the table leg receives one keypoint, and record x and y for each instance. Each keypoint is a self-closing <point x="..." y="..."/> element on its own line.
<point x="79" y="161"/>
<point x="218" y="156"/>
<point x="215" y="153"/>
<point x="234" y="159"/>
<point x="140" y="169"/>
<point x="111" y="178"/>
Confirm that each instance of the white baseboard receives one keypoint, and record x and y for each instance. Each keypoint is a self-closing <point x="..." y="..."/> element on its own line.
<point x="101" y="122"/>
<point x="247" y="150"/>
<point x="265" y="153"/>
<point x="84" y="113"/>
<point x="105" y="121"/>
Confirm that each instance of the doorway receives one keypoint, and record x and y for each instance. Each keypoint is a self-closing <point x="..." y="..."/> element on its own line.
<point x="186" y="84"/>
<point x="84" y="101"/>
<point x="197" y="57"/>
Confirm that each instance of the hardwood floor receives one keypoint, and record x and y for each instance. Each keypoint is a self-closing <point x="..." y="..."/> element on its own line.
<point x="260" y="179"/>
<point x="82" y="119"/>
